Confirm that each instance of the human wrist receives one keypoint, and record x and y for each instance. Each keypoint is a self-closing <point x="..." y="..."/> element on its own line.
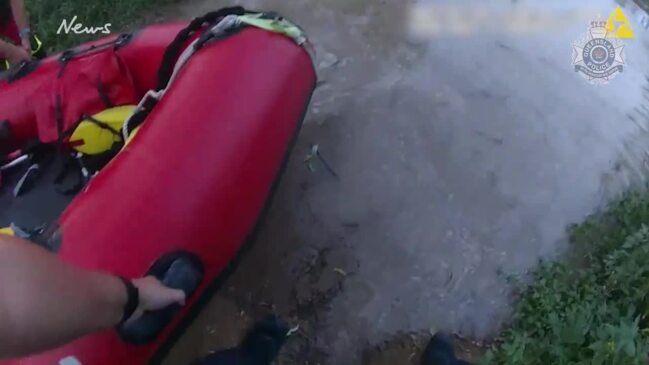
<point x="132" y="301"/>
<point x="25" y="32"/>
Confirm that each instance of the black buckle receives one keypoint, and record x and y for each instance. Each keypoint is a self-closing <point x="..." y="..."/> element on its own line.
<point x="123" y="39"/>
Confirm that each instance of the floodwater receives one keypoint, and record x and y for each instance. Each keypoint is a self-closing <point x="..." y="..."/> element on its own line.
<point x="464" y="144"/>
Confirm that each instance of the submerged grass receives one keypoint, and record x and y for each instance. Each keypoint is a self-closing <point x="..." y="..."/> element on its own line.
<point x="594" y="312"/>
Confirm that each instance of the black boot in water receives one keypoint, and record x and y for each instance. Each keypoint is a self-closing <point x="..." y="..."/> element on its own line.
<point x="439" y="351"/>
<point x="260" y="346"/>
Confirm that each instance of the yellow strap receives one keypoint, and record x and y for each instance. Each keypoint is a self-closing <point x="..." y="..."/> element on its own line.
<point x="39" y="45"/>
<point x="7" y="231"/>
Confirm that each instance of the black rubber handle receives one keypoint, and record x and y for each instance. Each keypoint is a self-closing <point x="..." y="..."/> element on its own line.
<point x="179" y="270"/>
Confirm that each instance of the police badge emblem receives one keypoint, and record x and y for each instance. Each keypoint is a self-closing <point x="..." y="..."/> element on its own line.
<point x="599" y="55"/>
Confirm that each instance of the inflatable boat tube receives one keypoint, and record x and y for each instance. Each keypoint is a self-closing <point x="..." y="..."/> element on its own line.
<point x="184" y="195"/>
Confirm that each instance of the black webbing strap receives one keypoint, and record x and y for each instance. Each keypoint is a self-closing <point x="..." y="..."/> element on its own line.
<point x="69" y="165"/>
<point x="102" y="125"/>
<point x="140" y="114"/>
<point x="69" y="54"/>
<point x="175" y="47"/>
<point x="58" y="118"/>
<point x="171" y="54"/>
<point x="77" y="169"/>
<point x="5" y="133"/>
<point x="73" y="165"/>
<point x="63" y="134"/>
<point x="101" y="90"/>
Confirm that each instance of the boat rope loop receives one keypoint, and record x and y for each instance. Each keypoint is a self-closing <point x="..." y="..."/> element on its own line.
<point x="230" y="20"/>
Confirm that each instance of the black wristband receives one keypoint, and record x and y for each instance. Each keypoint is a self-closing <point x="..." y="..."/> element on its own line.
<point x="132" y="299"/>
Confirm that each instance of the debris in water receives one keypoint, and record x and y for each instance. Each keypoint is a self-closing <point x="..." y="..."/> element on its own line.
<point x="340" y="271"/>
<point x="293" y="330"/>
<point x="353" y="225"/>
<point x="315" y="153"/>
<point x="328" y="60"/>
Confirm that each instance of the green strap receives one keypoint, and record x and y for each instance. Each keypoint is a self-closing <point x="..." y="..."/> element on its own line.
<point x="275" y="25"/>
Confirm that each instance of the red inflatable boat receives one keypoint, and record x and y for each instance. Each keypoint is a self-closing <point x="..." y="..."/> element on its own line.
<point x="220" y="102"/>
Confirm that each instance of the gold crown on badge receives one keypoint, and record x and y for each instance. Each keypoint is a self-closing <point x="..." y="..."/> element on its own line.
<point x="598" y="29"/>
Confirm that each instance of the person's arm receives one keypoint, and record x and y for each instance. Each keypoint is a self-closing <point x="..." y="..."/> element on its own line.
<point x="14" y="54"/>
<point x="22" y="21"/>
<point x="45" y="302"/>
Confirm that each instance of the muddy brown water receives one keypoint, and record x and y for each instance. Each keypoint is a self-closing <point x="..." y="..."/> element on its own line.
<point x="464" y="142"/>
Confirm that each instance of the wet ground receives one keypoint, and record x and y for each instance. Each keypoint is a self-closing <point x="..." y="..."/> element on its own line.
<point x="462" y="144"/>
